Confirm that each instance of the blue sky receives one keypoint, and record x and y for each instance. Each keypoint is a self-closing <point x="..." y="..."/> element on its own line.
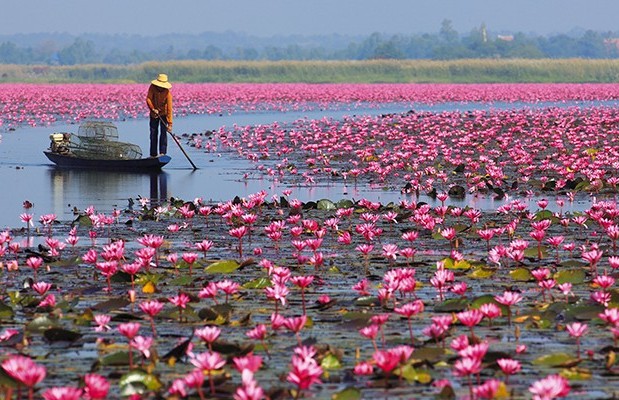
<point x="285" y="17"/>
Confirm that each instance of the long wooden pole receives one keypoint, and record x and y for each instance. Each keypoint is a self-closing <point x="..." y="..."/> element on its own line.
<point x="177" y="142"/>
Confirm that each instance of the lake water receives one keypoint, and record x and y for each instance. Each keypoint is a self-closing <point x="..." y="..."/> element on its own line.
<point x="26" y="174"/>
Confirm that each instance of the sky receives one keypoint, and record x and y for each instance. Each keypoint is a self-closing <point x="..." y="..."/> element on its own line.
<point x="306" y="17"/>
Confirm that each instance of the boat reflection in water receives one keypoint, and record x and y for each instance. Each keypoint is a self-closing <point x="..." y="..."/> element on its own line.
<point x="76" y="189"/>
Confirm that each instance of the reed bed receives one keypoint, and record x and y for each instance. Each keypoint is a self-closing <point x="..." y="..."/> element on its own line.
<point x="366" y="71"/>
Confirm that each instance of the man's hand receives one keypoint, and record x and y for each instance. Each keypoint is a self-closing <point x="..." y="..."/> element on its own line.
<point x="156" y="112"/>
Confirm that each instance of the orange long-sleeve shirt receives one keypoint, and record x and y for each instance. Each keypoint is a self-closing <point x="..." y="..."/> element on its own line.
<point x="161" y="100"/>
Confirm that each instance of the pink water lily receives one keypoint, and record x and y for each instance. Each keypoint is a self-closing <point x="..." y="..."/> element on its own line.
<point x="534" y="166"/>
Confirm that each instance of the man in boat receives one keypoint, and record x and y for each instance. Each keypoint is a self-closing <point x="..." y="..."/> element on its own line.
<point x="159" y="101"/>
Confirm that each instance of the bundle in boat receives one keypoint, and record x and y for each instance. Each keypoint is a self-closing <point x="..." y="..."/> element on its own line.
<point x="95" y="140"/>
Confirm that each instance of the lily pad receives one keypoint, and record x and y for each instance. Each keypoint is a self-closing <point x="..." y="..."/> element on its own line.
<point x="412" y="374"/>
<point x="574" y="374"/>
<point x="6" y="312"/>
<point x="330" y="362"/>
<point x="41" y="324"/>
<point x="574" y="276"/>
<point x="452" y="305"/>
<point x="428" y="354"/>
<point x="349" y="393"/>
<point x="222" y="267"/>
<point x="111" y="304"/>
<point x="259" y="283"/>
<point x="182" y="280"/>
<point x="583" y="312"/>
<point x="118" y="358"/>
<point x="521" y="274"/>
<point x="449" y="263"/>
<point x="61" y="335"/>
<point x="143" y="378"/>
<point x="556" y="360"/>
<point x="481" y="273"/>
<point x="326" y="205"/>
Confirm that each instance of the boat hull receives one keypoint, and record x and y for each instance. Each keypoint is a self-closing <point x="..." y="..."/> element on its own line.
<point x="143" y="164"/>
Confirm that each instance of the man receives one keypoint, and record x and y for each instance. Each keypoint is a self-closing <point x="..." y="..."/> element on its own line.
<point x="159" y="101"/>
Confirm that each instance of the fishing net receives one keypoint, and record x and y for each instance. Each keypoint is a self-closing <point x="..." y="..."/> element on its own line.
<point x="95" y="140"/>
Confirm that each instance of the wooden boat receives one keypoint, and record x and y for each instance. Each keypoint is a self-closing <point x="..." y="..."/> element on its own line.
<point x="141" y="164"/>
<point x="96" y="146"/>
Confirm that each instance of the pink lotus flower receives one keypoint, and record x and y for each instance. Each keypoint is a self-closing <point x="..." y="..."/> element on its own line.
<point x="249" y="389"/>
<point x="24" y="370"/>
<point x="62" y="393"/>
<point x="102" y="321"/>
<point x="228" y="287"/>
<point x="508" y="299"/>
<point x="295" y="324"/>
<point x="189" y="258"/>
<point x="277" y="293"/>
<point x="41" y="287"/>
<point x="509" y="367"/>
<point x="305" y="370"/>
<point x="180" y="301"/>
<point x="577" y="330"/>
<point x="386" y="360"/>
<point x="550" y="387"/>
<point x="96" y="387"/>
<point x="208" y="334"/>
<point x="142" y="344"/>
<point x="259" y="333"/>
<point x="209" y="362"/>
<point x="470" y="318"/>
<point x="129" y="329"/>
<point x="488" y="390"/>
<point x="249" y="362"/>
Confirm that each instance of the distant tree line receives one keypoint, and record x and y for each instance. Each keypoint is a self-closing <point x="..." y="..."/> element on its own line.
<point x="447" y="44"/>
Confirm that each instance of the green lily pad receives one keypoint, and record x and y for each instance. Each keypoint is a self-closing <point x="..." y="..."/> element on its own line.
<point x="574" y="276"/>
<point x="462" y="264"/>
<point x="452" y="305"/>
<point x="222" y="267"/>
<point x="326" y="205"/>
<point x="429" y="354"/>
<point x="84" y="220"/>
<point x="583" y="312"/>
<point x="576" y="374"/>
<point x="349" y="393"/>
<point x="6" y="312"/>
<point x="556" y="360"/>
<point x="182" y="280"/>
<point x="412" y="374"/>
<point x="118" y="358"/>
<point x="41" y="324"/>
<point x="544" y="214"/>
<point x="140" y="377"/>
<point x="533" y="252"/>
<point x="367" y="301"/>
<point x="573" y="264"/>
<point x="521" y="274"/>
<point x="481" y="273"/>
<point x="330" y="362"/>
<point x="345" y="203"/>
<point x="259" y="283"/>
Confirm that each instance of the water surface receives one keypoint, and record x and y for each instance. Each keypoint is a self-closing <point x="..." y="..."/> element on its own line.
<point x="26" y="174"/>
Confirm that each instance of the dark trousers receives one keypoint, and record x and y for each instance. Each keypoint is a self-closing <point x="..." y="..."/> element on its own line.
<point x="156" y="125"/>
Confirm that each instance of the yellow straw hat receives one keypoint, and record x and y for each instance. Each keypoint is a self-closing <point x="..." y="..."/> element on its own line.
<point x="162" y="81"/>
